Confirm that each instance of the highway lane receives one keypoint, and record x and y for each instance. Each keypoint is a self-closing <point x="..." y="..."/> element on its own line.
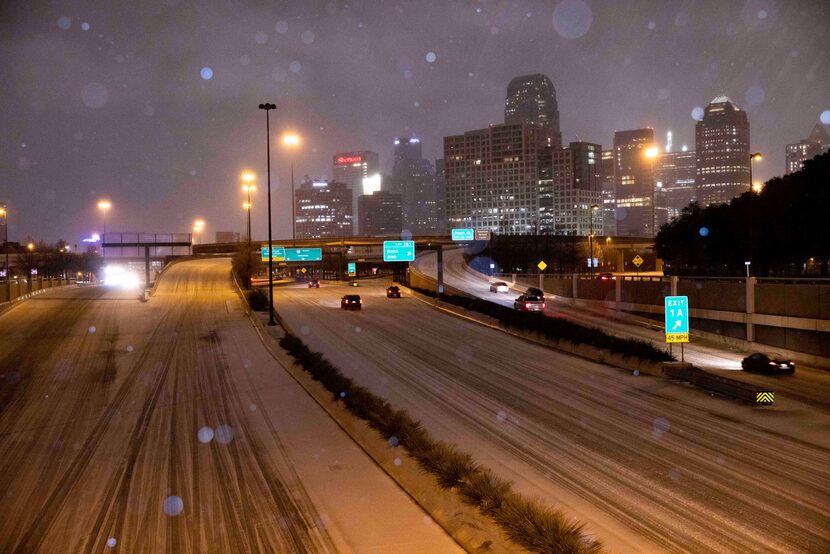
<point x="167" y="427"/>
<point x="809" y="386"/>
<point x="649" y="465"/>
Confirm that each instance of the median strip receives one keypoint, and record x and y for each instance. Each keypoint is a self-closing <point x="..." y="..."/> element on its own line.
<point x="526" y="522"/>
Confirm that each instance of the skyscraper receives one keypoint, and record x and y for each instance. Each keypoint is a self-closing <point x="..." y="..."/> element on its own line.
<point x="324" y="210"/>
<point x="380" y="214"/>
<point x="676" y="171"/>
<point x="609" y="192"/>
<point x="532" y="99"/>
<point x="352" y="168"/>
<point x="414" y="179"/>
<point x="634" y="182"/>
<point x="569" y="190"/>
<point x="722" y="147"/>
<point x="817" y="143"/>
<point x="441" y="195"/>
<point x="492" y="177"/>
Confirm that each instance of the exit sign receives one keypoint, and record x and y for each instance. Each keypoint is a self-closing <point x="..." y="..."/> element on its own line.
<point x="398" y="250"/>
<point x="463" y="234"/>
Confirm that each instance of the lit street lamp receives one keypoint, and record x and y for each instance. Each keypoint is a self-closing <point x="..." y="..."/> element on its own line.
<point x="753" y="190"/>
<point x="291" y="140"/>
<point x="198" y="226"/>
<point x="268" y="107"/>
<point x="248" y="187"/>
<point x="104" y="207"/>
<point x="4" y="211"/>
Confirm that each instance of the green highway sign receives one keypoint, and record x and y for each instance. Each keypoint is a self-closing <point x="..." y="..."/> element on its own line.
<point x="278" y="251"/>
<point x="398" y="250"/>
<point x="677" y="318"/>
<point x="463" y="234"/>
<point x="352" y="269"/>
<point x="303" y="254"/>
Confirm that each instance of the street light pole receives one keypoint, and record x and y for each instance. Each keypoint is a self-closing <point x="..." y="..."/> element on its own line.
<point x="291" y="140"/>
<point x="752" y="158"/>
<point x="4" y="211"/>
<point x="268" y="107"/>
<point x="594" y="208"/>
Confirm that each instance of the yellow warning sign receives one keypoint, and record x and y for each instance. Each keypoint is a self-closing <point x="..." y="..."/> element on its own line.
<point x="767" y="397"/>
<point x="542" y="265"/>
<point x="638" y="261"/>
<point x="677" y="337"/>
<point x="303" y="270"/>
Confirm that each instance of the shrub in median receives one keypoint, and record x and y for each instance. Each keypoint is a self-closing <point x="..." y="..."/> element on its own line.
<point x="257" y="300"/>
<point x="556" y="328"/>
<point x="525" y="522"/>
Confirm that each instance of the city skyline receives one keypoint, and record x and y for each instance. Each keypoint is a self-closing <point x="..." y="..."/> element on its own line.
<point x="82" y="75"/>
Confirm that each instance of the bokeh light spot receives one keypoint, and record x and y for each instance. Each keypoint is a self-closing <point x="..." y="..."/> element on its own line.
<point x="173" y="505"/>
<point x="704" y="231"/>
<point x="206" y="73"/>
<point x="205" y="435"/>
<point x="281" y="27"/>
<point x="64" y="22"/>
<point x="572" y="18"/>
<point x="431" y="57"/>
<point x="825" y="117"/>
<point x="224" y="434"/>
<point x="697" y="113"/>
<point x="95" y="95"/>
<point x="307" y="37"/>
<point x="295" y="66"/>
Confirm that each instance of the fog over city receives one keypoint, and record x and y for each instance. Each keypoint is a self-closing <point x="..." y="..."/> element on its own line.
<point x="153" y="104"/>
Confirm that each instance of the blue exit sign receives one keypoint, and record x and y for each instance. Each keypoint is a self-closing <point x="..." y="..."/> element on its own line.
<point x="398" y="250"/>
<point x="677" y="318"/>
<point x="463" y="234"/>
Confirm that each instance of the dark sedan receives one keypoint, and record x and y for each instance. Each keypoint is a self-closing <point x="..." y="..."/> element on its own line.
<point x="314" y="283"/>
<point x="393" y="292"/>
<point x="351" y="302"/>
<point x="768" y="362"/>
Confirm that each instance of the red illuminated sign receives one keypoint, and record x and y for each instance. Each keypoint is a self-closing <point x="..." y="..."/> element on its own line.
<point x="348" y="159"/>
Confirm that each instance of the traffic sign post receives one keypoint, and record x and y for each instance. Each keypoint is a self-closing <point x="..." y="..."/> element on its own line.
<point x="303" y="254"/>
<point x="277" y="251"/>
<point x="482" y="234"/>
<point x="677" y="320"/>
<point x="398" y="250"/>
<point x="463" y="234"/>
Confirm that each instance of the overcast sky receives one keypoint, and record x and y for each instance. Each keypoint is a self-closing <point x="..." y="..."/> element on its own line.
<point x="153" y="104"/>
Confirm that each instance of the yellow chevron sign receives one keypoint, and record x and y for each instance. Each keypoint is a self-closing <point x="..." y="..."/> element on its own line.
<point x="765" y="397"/>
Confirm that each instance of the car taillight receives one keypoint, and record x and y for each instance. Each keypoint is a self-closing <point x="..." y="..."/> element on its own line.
<point x="772" y="363"/>
<point x="360" y="301"/>
<point x="527" y="304"/>
<point x="543" y="305"/>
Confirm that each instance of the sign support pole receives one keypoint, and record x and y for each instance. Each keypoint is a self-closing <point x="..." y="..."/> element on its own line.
<point x="440" y="269"/>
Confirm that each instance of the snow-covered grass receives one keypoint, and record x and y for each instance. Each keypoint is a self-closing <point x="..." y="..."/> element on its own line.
<point x="526" y="522"/>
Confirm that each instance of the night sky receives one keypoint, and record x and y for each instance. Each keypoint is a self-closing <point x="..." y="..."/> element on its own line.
<point x="153" y="104"/>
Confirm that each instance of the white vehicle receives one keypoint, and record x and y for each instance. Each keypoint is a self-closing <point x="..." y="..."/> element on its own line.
<point x="499" y="286"/>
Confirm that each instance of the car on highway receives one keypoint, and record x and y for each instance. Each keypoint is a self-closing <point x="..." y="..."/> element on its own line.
<point x="533" y="291"/>
<point x="393" y="292"/>
<point x="314" y="283"/>
<point x="768" y="362"/>
<point x="499" y="286"/>
<point x="353" y="284"/>
<point x="529" y="303"/>
<point x="605" y="276"/>
<point x="351" y="302"/>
